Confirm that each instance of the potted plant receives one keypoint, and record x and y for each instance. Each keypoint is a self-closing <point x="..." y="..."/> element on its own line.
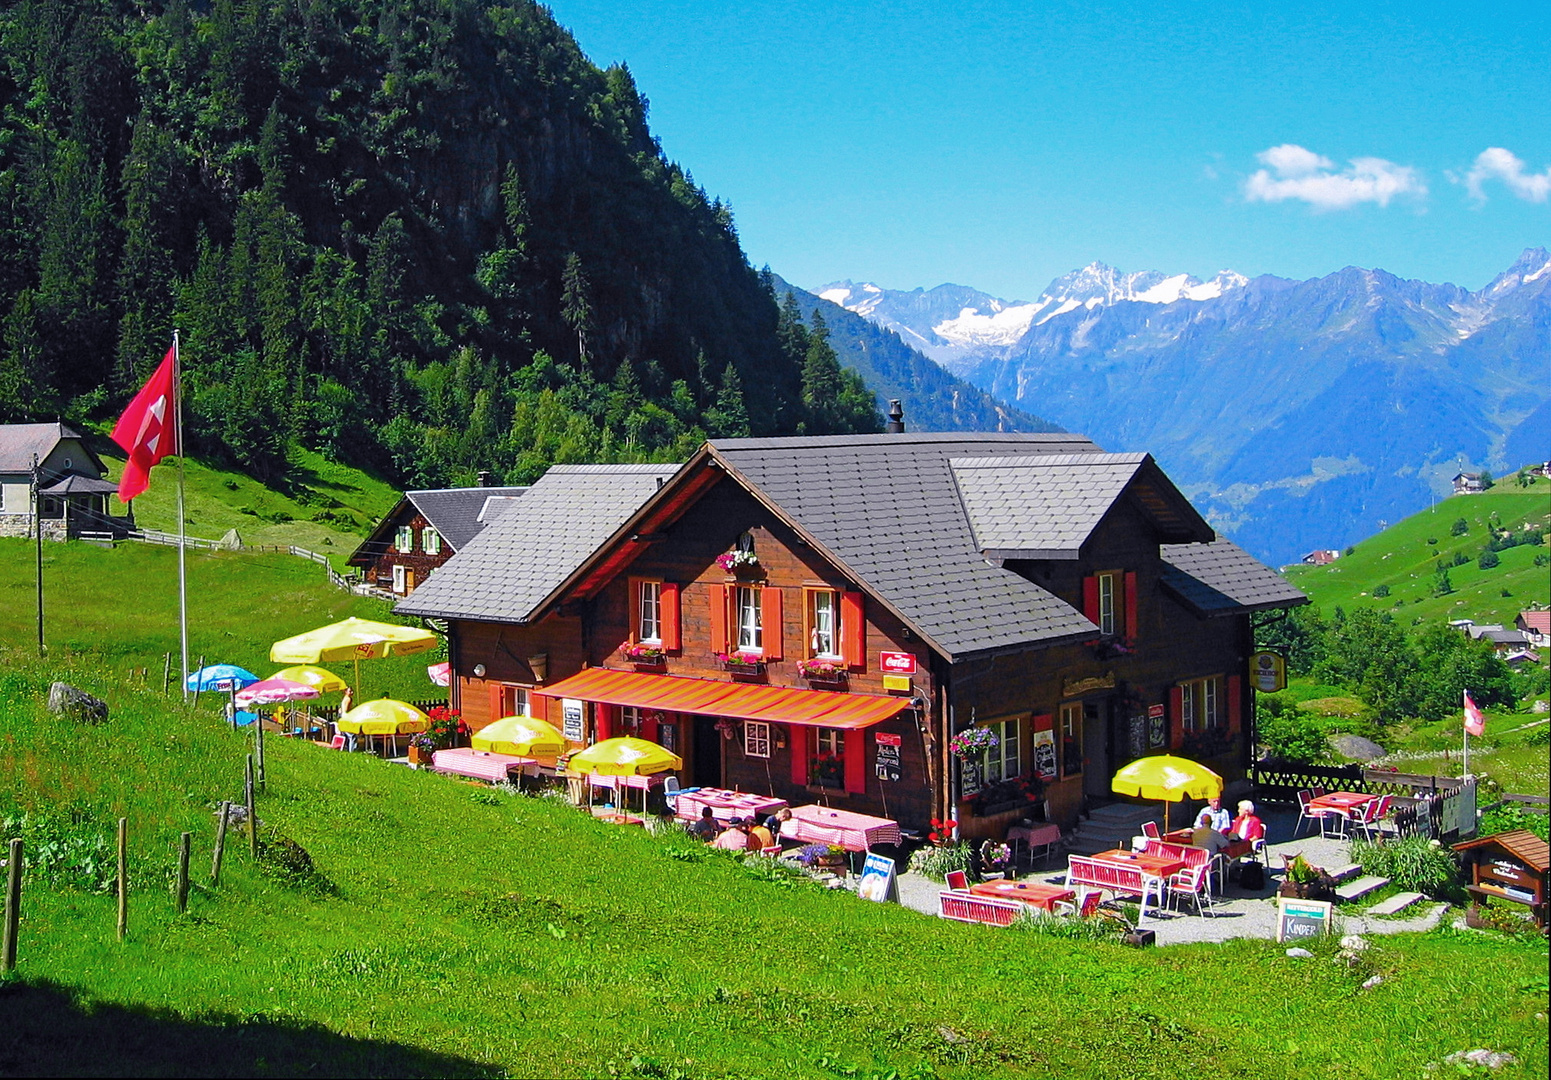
<point x="422" y="747"/>
<point x="995" y="857"/>
<point x="643" y="655"/>
<point x="831" y="857"/>
<point x="827" y="671"/>
<point x="742" y="663"/>
<point x="942" y="832"/>
<point x="1304" y="881"/>
<point x="737" y="560"/>
<point x="970" y="744"/>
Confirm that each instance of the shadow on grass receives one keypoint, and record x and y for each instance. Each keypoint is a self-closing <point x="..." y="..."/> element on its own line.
<point x="52" y="1031"/>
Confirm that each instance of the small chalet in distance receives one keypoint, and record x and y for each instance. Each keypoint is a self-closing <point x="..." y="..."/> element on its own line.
<point x="817" y="617"/>
<point x="73" y="489"/>
<point x="426" y="529"/>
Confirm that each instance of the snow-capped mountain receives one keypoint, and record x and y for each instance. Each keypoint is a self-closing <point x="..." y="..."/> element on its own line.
<point x="951" y="322"/>
<point x="1297" y="414"/>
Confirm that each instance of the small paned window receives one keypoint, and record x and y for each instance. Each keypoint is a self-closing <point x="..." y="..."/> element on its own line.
<point x="751" y="632"/>
<point x="404" y="541"/>
<point x="649" y="606"/>
<point x="1071" y="739"/>
<point x="756" y="738"/>
<point x="1005" y="761"/>
<point x="430" y="541"/>
<point x="824" y="624"/>
<point x="1107" y="620"/>
<point x="1200" y="702"/>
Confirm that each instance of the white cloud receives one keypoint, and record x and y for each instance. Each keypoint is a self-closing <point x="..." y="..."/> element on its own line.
<point x="1293" y="172"/>
<point x="1495" y="163"/>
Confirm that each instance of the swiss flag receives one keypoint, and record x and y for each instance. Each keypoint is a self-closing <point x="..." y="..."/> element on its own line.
<point x="148" y="429"/>
<point x="1475" y="723"/>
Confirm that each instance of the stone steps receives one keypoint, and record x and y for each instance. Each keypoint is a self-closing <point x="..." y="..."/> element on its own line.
<point x="1345" y="873"/>
<point x="1395" y="904"/>
<point x="1109" y="826"/>
<point x="1356" y="890"/>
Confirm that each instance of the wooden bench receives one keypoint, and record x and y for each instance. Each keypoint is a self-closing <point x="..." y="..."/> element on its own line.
<point x="1083" y="874"/>
<point x="967" y="907"/>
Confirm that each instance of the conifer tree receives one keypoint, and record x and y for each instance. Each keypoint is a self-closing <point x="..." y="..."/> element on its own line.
<point x="576" y="303"/>
<point x="729" y="417"/>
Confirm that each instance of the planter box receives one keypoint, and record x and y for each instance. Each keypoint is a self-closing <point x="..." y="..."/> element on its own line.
<point x="1313" y="890"/>
<point x="650" y="665"/>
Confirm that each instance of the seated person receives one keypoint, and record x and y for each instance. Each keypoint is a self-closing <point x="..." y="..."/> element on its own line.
<point x="1247" y="826"/>
<point x="736" y="837"/>
<point x="762" y="836"/>
<point x="778" y="819"/>
<point x="706" y="826"/>
<point x="1213" y="816"/>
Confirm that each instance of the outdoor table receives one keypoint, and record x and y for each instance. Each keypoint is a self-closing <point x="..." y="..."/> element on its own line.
<point x="1033" y="836"/>
<point x="1158" y="866"/>
<point x="726" y="805"/>
<point x="478" y="764"/>
<point x="844" y="828"/>
<point x="1033" y="893"/>
<point x="1343" y="803"/>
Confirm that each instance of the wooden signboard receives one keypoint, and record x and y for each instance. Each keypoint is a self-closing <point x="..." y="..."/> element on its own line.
<point x="1157" y="728"/>
<point x="1297" y="919"/>
<point x="886" y="756"/>
<point x="1045" y="755"/>
<point x="878" y="881"/>
<point x="573" y="719"/>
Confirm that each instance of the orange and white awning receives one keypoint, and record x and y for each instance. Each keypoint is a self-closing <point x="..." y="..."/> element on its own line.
<point x="742" y="701"/>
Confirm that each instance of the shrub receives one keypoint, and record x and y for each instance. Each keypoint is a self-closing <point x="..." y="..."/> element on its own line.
<point x="1512" y="816"/>
<point x="1381" y="591"/>
<point x="1459" y="528"/>
<point x="1488" y="560"/>
<point x="1287" y="732"/>
<point x="1410" y="862"/>
<point x="1067" y="927"/>
<point x="936" y="862"/>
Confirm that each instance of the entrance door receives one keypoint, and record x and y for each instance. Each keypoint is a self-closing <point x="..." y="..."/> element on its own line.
<point x="706" y="759"/>
<point x="1096" y="771"/>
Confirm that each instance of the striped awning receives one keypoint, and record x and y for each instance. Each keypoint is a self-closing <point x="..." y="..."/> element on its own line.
<point x="743" y="701"/>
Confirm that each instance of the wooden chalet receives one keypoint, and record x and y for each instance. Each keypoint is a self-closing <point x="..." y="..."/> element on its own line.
<point x="73" y="489"/>
<point x="817" y="617"/>
<point x="424" y="530"/>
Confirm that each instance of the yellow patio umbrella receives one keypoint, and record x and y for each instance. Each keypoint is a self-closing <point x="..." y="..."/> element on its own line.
<point x="523" y="736"/>
<point x="624" y="756"/>
<point x="384" y="717"/>
<point x="1168" y="779"/>
<point x="353" y="639"/>
<point x="321" y="679"/>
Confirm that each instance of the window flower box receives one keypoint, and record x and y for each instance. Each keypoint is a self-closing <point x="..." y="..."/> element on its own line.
<point x="742" y="663"/>
<point x="826" y="771"/>
<point x="646" y="657"/>
<point x="822" y="671"/>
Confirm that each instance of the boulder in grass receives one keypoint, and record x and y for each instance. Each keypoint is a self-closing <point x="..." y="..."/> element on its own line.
<point x="77" y="704"/>
<point x="1357" y="748"/>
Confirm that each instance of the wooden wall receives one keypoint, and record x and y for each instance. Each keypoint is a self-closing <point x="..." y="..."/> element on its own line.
<point x="379" y="571"/>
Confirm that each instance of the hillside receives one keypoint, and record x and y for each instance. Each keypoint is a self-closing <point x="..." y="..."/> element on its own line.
<point x="401" y="924"/>
<point x="429" y="237"/>
<point x="933" y="399"/>
<point x="1295" y="414"/>
<point x="1405" y="555"/>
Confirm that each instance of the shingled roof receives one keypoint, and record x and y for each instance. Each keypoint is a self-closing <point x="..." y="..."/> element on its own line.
<point x="508" y="570"/>
<point x="455" y="512"/>
<point x="1222" y="578"/>
<point x="19" y="442"/>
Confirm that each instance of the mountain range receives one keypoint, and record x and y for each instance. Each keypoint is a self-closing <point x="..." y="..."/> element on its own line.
<point x="1296" y="414"/>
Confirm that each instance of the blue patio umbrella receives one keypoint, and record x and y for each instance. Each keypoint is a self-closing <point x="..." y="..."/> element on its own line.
<point x="221" y="677"/>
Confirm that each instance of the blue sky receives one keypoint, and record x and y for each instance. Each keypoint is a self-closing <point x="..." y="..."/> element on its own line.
<point x="999" y="145"/>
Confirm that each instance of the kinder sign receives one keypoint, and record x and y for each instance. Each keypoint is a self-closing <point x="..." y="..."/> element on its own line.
<point x="897" y="663"/>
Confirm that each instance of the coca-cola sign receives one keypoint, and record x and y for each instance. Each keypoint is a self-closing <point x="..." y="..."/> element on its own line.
<point x="897" y="663"/>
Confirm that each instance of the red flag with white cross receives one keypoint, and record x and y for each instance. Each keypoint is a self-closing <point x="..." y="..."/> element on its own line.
<point x="148" y="429"/>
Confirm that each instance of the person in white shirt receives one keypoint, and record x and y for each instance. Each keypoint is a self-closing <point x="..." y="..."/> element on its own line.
<point x="1214" y="817"/>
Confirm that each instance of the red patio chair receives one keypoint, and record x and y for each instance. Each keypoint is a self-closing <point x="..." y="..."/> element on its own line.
<point x="1150" y="830"/>
<point x="958" y="881"/>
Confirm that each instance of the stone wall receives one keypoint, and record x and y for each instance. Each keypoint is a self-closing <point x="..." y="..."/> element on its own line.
<point x="19" y="526"/>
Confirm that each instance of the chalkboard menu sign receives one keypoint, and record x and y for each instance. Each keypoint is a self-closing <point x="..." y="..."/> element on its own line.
<point x="573" y="720"/>
<point x="1297" y="919"/>
<point x="886" y="760"/>
<point x="1157" y="728"/>
<point x="1045" y="755"/>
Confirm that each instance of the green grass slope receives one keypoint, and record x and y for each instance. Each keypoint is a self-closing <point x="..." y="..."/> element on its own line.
<point x="435" y="928"/>
<point x="446" y="930"/>
<point x="329" y="507"/>
<point x="1403" y="555"/>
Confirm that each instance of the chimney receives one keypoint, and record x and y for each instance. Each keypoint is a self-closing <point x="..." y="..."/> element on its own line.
<point x="896" y="424"/>
<point x="484" y="479"/>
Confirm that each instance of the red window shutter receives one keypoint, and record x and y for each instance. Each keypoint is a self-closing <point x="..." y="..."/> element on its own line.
<point x="853" y="631"/>
<point x="1131" y="605"/>
<point x="1235" y="702"/>
<point x="669" y="605"/>
<point x="718" y="602"/>
<point x="856" y="761"/>
<point x="1176" y="717"/>
<point x="495" y="689"/>
<point x="770" y="602"/>
<point x="797" y="739"/>
<point x="603" y="720"/>
<point x="634" y="585"/>
<point x="1090" y="598"/>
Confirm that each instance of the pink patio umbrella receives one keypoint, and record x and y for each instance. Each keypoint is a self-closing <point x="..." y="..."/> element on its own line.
<point x="440" y="674"/>
<point x="274" y="692"/>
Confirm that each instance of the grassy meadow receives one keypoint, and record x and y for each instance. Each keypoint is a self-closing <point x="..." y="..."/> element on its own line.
<point x="1402" y="557"/>
<point x="399" y="923"/>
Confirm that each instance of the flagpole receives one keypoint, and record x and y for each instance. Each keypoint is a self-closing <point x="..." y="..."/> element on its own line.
<point x="177" y="393"/>
<point x="1465" y="765"/>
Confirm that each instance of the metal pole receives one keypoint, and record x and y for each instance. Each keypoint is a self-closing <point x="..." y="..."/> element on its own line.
<point x="123" y="878"/>
<point x="37" y="521"/>
<point x="177" y="393"/>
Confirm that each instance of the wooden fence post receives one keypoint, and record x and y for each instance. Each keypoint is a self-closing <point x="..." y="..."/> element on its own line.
<point x="220" y="844"/>
<point x="13" y="906"/>
<point x="166" y="673"/>
<point x="258" y="740"/>
<point x="123" y="878"/>
<point x="252" y="817"/>
<point x="183" y="853"/>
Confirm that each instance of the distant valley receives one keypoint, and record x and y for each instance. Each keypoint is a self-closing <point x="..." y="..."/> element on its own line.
<point x="1296" y="414"/>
